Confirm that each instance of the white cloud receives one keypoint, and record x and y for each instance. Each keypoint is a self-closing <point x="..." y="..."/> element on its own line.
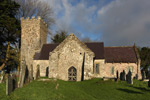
<point x="78" y="15"/>
<point x="124" y="22"/>
<point x="121" y="22"/>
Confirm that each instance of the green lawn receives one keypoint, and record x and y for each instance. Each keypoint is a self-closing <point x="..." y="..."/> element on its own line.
<point x="94" y="89"/>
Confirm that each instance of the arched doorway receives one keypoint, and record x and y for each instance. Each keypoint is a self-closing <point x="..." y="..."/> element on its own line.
<point x="72" y="74"/>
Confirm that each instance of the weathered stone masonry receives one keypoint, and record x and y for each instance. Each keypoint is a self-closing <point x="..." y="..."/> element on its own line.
<point x="71" y="52"/>
<point x="33" y="36"/>
<point x="72" y="59"/>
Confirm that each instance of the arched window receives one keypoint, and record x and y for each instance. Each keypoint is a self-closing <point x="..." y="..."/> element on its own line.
<point x="38" y="72"/>
<point x="72" y="74"/>
<point x="112" y="70"/>
<point x="97" y="68"/>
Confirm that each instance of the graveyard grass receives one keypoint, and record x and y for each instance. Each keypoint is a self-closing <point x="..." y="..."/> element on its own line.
<point x="94" y="89"/>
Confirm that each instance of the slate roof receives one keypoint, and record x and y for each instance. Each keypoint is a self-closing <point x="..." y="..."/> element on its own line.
<point x="120" y="54"/>
<point x="110" y="54"/>
<point x="44" y="54"/>
<point x="96" y="47"/>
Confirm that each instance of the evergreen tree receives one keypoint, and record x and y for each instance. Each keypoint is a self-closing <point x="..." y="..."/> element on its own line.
<point x="59" y="37"/>
<point x="145" y="59"/>
<point x="9" y="32"/>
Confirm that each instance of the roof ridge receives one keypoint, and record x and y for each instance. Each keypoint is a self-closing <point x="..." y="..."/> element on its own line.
<point x="50" y="43"/>
<point x="93" y="42"/>
<point x="118" y="46"/>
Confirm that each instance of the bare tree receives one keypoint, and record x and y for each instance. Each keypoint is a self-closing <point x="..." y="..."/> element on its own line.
<point x="29" y="8"/>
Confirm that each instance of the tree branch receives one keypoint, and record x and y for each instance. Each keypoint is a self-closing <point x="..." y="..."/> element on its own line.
<point x="7" y="57"/>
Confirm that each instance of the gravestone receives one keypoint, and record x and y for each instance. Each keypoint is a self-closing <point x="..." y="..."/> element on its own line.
<point x="22" y="74"/>
<point x="129" y="78"/>
<point x="11" y="83"/>
<point x="122" y="76"/>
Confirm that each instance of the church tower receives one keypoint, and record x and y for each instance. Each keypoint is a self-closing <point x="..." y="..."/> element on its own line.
<point x="33" y="36"/>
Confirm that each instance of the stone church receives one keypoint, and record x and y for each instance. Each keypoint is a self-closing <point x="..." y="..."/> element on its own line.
<point x="73" y="60"/>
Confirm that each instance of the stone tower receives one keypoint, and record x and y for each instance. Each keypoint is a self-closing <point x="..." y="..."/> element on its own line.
<point x="33" y="36"/>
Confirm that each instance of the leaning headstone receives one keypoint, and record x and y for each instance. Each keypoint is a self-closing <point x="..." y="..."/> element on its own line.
<point x="22" y="74"/>
<point x="129" y="78"/>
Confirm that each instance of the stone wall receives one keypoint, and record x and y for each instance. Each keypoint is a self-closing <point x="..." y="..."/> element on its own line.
<point x="33" y="36"/>
<point x="88" y="67"/>
<point x="43" y="64"/>
<point x="101" y="63"/>
<point x="71" y="52"/>
<point x="120" y="67"/>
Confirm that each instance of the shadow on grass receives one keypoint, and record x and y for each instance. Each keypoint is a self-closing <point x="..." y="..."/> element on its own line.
<point x="104" y="82"/>
<point x="141" y="88"/>
<point x="129" y="91"/>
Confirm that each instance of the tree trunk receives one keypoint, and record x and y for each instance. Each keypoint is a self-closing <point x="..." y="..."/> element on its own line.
<point x="7" y="57"/>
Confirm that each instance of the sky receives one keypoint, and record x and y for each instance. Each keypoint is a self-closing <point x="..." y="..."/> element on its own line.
<point x="114" y="22"/>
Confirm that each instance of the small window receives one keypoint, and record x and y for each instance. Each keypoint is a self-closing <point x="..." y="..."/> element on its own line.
<point x="112" y="70"/>
<point x="97" y="68"/>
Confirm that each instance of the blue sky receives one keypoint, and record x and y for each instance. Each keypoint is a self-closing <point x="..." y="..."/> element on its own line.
<point x="114" y="22"/>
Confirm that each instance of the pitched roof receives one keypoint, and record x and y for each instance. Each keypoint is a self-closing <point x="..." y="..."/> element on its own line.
<point x="120" y="54"/>
<point x="70" y="38"/>
<point x="44" y="54"/>
<point x="96" y="47"/>
<point x="110" y="54"/>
